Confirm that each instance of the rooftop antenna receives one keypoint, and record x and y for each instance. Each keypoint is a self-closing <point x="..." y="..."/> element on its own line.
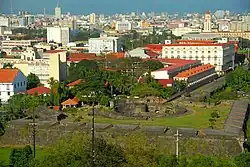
<point x="57" y="4"/>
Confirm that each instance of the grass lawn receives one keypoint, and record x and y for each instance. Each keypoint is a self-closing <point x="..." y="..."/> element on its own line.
<point x="5" y="153"/>
<point x="198" y="118"/>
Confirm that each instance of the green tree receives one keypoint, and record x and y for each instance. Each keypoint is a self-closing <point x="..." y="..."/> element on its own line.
<point x="243" y="160"/>
<point x="21" y="157"/>
<point x="76" y="151"/>
<point x="7" y="65"/>
<point x="167" y="161"/>
<point x="153" y="65"/>
<point x="33" y="81"/>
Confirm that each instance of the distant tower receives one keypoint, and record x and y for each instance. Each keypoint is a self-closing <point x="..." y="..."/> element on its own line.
<point x="11" y="7"/>
<point x="58" y="11"/>
<point x="207" y="22"/>
<point x="92" y="18"/>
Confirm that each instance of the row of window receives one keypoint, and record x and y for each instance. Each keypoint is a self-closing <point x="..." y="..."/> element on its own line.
<point x="191" y="52"/>
<point x="19" y="84"/>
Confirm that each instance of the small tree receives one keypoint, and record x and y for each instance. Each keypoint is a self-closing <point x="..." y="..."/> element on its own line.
<point x="33" y="81"/>
<point x="21" y="157"/>
<point x="214" y="117"/>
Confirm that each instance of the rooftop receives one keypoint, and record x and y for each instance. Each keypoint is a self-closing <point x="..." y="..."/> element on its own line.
<point x="39" y="90"/>
<point x="73" y="101"/>
<point x="77" y="82"/>
<point x="8" y="75"/>
<point x="195" y="71"/>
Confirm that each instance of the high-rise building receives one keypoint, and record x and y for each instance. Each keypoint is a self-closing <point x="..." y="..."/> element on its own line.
<point x="92" y="18"/>
<point x="207" y="22"/>
<point x="58" y="35"/>
<point x="58" y="12"/>
<point x="4" y="21"/>
<point x="123" y="26"/>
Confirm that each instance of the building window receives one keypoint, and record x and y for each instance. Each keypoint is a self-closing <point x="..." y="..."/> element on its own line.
<point x="18" y="84"/>
<point x="14" y="85"/>
<point x="8" y="93"/>
<point x="215" y="51"/>
<point x="21" y="84"/>
<point x="202" y="52"/>
<point x="172" y="52"/>
<point x="184" y="52"/>
<point x="190" y="51"/>
<point x="209" y="51"/>
<point x="8" y="87"/>
<point x="178" y="52"/>
<point x="178" y="56"/>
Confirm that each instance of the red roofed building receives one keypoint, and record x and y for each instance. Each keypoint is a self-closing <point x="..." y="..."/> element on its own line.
<point x="197" y="74"/>
<point x="12" y="81"/>
<point x="173" y="67"/>
<point x="70" y="103"/>
<point x="41" y="90"/>
<point x="74" y="83"/>
<point x="77" y="57"/>
<point x="166" y="82"/>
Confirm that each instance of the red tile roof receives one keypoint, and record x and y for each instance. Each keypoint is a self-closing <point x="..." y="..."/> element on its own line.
<point x="194" y="71"/>
<point x="77" y="82"/>
<point x="76" y="57"/>
<point x="8" y="75"/>
<point x="165" y="82"/>
<point x="73" y="101"/>
<point x="55" y="51"/>
<point x="39" y="91"/>
<point x="175" y="63"/>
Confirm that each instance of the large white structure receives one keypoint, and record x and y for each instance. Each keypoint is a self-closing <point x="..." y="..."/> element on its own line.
<point x="58" y="35"/>
<point x="220" y="55"/>
<point x="12" y="81"/>
<point x="184" y="30"/>
<point x="207" y="22"/>
<point x="58" y="12"/>
<point x="92" y="18"/>
<point x="123" y="26"/>
<point x="4" y="21"/>
<point x="105" y="45"/>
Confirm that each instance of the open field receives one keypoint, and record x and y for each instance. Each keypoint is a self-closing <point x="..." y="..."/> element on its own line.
<point x="198" y="118"/>
<point x="6" y="151"/>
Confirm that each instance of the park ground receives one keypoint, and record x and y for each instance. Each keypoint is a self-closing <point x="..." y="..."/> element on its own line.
<point x="198" y="117"/>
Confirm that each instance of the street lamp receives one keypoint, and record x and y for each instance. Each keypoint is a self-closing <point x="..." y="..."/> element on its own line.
<point x="177" y="135"/>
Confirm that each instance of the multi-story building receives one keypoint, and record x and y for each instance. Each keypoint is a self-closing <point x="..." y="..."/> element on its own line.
<point x="52" y="65"/>
<point x="12" y="81"/>
<point x="105" y="45"/>
<point x="92" y="18"/>
<point x="5" y="30"/>
<point x="123" y="26"/>
<point x="184" y="30"/>
<point x="4" y="21"/>
<point x="239" y="26"/>
<point x="212" y="35"/>
<point x="58" y="12"/>
<point x="18" y="43"/>
<point x="197" y="75"/>
<point x="58" y="35"/>
<point x="220" y="55"/>
<point x="207" y="22"/>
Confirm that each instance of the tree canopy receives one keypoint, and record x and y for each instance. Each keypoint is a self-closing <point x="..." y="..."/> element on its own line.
<point x="33" y="81"/>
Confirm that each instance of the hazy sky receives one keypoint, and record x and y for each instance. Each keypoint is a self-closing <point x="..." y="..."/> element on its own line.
<point x="122" y="6"/>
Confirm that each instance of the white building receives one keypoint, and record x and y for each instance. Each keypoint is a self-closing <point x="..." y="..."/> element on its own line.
<point x="207" y="22"/>
<point x="5" y="30"/>
<point x="58" y="12"/>
<point x="105" y="45"/>
<point x="184" y="30"/>
<point x="123" y="26"/>
<point x="4" y="21"/>
<point x="92" y="18"/>
<point x="58" y="35"/>
<point x="220" y="55"/>
<point x="12" y="81"/>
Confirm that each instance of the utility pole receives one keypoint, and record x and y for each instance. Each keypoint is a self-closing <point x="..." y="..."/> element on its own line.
<point x="93" y="135"/>
<point x="34" y="125"/>
<point x="177" y="135"/>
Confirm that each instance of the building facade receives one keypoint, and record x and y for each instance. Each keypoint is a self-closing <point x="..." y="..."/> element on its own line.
<point x="123" y="26"/>
<point x="53" y="65"/>
<point x="58" y="35"/>
<point x="184" y="30"/>
<point x="220" y="55"/>
<point x="4" y="21"/>
<point x="12" y="81"/>
<point x="207" y="22"/>
<point x="58" y="12"/>
<point x="92" y="18"/>
<point x="105" y="45"/>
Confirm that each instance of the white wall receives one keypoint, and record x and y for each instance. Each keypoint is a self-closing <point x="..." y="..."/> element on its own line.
<point x="9" y="89"/>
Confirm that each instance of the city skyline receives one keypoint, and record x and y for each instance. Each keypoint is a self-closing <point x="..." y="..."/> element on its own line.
<point x="79" y="7"/>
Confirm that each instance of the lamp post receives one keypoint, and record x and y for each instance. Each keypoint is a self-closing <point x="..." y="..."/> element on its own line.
<point x="93" y="135"/>
<point x="177" y="135"/>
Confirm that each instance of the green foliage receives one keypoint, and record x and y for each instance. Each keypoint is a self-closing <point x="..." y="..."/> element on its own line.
<point x="21" y="157"/>
<point x="85" y="35"/>
<point x="144" y="90"/>
<point x="214" y="117"/>
<point x="76" y="151"/>
<point x="165" y="161"/>
<point x="2" y="129"/>
<point x="33" y="81"/>
<point x="243" y="160"/>
<point x="239" y="80"/>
